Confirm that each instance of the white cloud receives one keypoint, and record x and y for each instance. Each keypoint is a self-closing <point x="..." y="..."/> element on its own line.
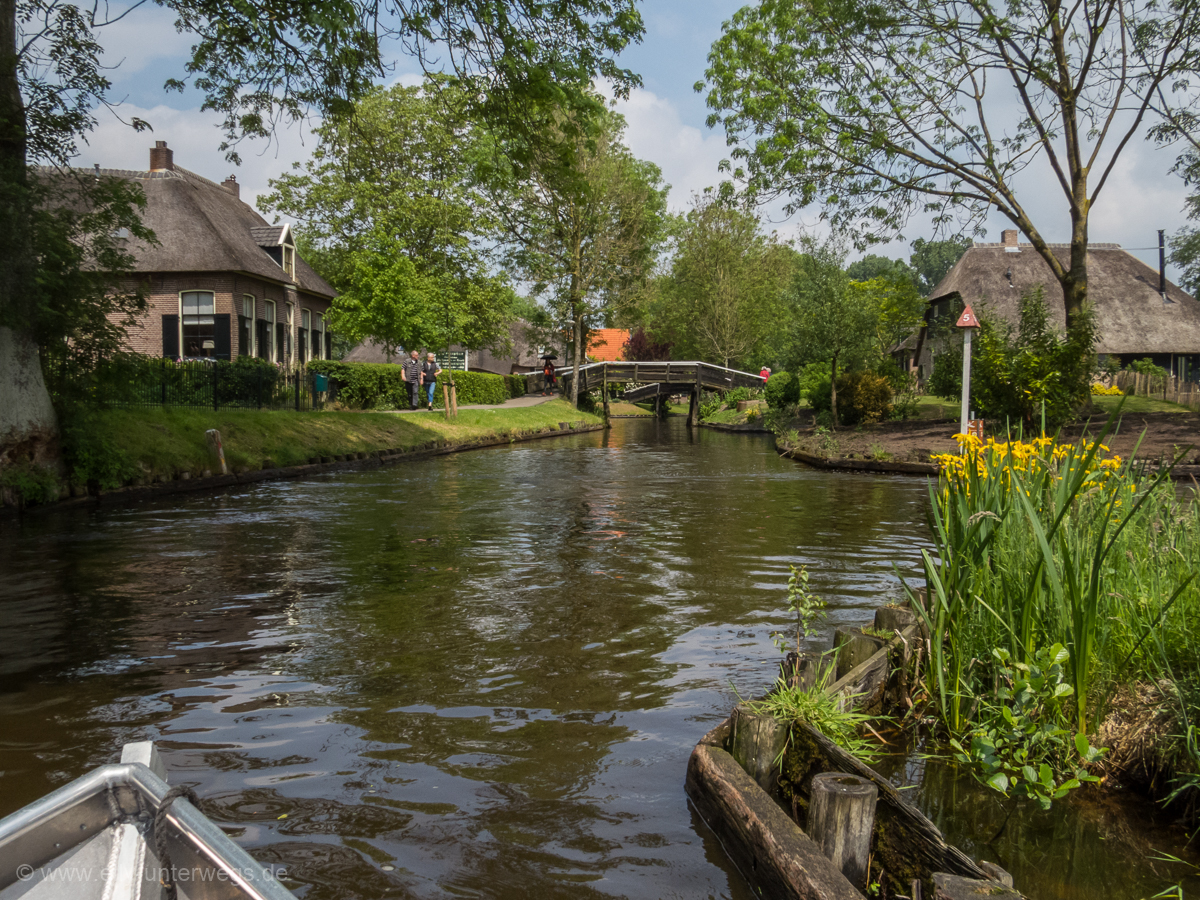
<point x="195" y="137"/>
<point x="687" y="156"/>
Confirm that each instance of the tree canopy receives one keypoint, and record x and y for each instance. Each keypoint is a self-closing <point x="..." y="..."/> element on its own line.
<point x="258" y="63"/>
<point x="877" y="110"/>
<point x="393" y="212"/>
<point x="586" y="235"/>
<point x="721" y="300"/>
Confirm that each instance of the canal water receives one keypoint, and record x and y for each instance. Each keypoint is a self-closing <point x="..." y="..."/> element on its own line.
<point x="478" y="675"/>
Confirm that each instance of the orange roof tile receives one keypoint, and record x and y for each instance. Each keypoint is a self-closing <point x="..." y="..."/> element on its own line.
<point x="607" y="344"/>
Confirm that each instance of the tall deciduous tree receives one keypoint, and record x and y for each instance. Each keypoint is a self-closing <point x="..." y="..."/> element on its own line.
<point x="585" y="222"/>
<point x="258" y="62"/>
<point x="393" y="214"/>
<point x="723" y="295"/>
<point x="830" y="322"/>
<point x="875" y="109"/>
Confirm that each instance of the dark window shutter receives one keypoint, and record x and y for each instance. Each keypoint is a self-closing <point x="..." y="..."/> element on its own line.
<point x="243" y="336"/>
<point x="221" y="337"/>
<point x="328" y="345"/>
<point x="279" y="348"/>
<point x="170" y="337"/>
<point x="264" y="338"/>
<point x="302" y="343"/>
<point x="316" y="344"/>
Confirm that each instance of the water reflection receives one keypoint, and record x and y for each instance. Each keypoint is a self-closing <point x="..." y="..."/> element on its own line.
<point x="484" y="671"/>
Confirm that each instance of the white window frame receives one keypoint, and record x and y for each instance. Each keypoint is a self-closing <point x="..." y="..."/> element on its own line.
<point x="289" y="260"/>
<point x="182" y="354"/>
<point x="249" y="311"/>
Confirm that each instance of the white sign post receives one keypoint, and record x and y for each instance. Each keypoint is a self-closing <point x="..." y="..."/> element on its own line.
<point x="968" y="323"/>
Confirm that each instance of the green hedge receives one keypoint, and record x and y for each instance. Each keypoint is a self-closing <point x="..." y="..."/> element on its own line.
<point x="381" y="385"/>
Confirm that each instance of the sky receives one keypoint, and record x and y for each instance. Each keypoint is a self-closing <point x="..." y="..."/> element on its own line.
<point x="666" y="124"/>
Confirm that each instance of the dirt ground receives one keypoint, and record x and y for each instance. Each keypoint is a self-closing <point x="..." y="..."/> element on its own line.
<point x="1161" y="436"/>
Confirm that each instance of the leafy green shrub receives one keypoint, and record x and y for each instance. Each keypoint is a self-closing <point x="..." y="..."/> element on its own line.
<point x="31" y="483"/>
<point x="382" y="385"/>
<point x="862" y="397"/>
<point x="1024" y="743"/>
<point x="810" y="378"/>
<point x="1146" y="366"/>
<point x="1015" y="371"/>
<point x="782" y="389"/>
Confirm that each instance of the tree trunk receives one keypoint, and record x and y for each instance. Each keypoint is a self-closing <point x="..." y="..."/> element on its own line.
<point x="1074" y="283"/>
<point x="577" y="326"/>
<point x="28" y="428"/>
<point x="833" y="391"/>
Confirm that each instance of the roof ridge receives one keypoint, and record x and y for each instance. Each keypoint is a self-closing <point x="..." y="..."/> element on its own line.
<point x="1054" y="246"/>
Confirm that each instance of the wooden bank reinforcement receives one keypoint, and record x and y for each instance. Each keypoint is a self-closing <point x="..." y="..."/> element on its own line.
<point x="316" y="466"/>
<point x="756" y="806"/>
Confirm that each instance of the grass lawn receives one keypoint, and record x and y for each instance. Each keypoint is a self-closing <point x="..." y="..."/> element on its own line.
<point x="1137" y="405"/>
<point x="733" y="417"/>
<point x="621" y="408"/>
<point x="164" y="441"/>
<point x="930" y="407"/>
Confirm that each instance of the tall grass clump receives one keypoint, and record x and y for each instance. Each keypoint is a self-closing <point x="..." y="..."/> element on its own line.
<point x="1040" y="544"/>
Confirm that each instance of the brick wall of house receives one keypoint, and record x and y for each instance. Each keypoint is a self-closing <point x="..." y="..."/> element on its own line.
<point x="163" y="290"/>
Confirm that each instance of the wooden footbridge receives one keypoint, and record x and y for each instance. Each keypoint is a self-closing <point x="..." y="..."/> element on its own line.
<point x="660" y="379"/>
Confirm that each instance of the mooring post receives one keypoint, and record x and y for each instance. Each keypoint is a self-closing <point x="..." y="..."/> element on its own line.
<point x="214" y="443"/>
<point x="453" y="400"/>
<point x="756" y="742"/>
<point x="841" y="817"/>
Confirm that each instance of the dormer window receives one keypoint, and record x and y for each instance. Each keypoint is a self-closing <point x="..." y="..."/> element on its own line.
<point x="289" y="260"/>
<point x="279" y="244"/>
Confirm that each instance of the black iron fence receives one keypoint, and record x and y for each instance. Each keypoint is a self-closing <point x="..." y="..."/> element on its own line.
<point x="129" y="380"/>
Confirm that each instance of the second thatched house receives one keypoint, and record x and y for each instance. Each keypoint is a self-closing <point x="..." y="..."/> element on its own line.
<point x="1133" y="319"/>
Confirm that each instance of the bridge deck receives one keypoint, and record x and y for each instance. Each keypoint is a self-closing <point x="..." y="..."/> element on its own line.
<point x="684" y="374"/>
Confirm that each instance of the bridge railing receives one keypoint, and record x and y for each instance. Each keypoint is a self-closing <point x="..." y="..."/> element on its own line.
<point x="683" y="373"/>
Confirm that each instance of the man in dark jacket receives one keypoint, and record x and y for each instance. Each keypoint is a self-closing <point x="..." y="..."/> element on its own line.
<point x="412" y="375"/>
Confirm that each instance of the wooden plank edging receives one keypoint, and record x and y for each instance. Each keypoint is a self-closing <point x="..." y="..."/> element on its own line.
<point x="767" y="847"/>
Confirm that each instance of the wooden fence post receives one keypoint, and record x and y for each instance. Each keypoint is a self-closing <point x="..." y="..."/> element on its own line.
<point x="841" y="818"/>
<point x="446" y="399"/>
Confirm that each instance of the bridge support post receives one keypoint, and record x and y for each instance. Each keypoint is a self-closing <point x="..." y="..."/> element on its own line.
<point x="694" y="408"/>
<point x="604" y="393"/>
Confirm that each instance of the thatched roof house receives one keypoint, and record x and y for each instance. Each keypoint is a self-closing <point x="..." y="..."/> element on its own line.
<point x="223" y="282"/>
<point x="1132" y="318"/>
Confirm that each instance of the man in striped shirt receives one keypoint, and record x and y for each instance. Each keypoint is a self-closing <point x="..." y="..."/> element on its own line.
<point x="412" y="375"/>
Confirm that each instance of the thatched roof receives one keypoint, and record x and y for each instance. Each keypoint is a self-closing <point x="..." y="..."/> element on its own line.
<point x="203" y="227"/>
<point x="1131" y="317"/>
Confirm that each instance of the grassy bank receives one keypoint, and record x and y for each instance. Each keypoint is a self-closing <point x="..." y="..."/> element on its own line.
<point x="109" y="448"/>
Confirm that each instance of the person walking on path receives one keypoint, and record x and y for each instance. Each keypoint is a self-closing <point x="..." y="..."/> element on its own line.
<point x="765" y="374"/>
<point x="412" y="375"/>
<point x="429" y="374"/>
<point x="548" y="371"/>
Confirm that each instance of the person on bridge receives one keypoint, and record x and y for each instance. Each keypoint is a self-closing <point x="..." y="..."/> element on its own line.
<point x="548" y="371"/>
<point x="765" y="373"/>
<point x="412" y="376"/>
<point x="429" y="373"/>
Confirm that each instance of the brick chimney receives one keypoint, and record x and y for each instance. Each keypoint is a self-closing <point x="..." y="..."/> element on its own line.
<point x="230" y="184"/>
<point x="1009" y="238"/>
<point x="161" y="157"/>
